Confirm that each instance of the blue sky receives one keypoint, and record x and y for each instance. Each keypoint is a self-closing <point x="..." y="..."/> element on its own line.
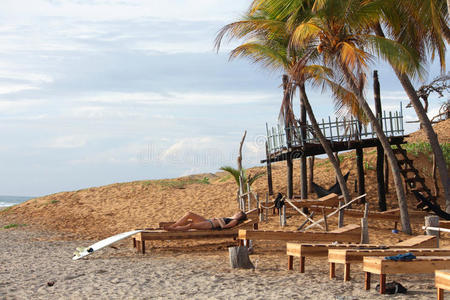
<point x="94" y="92"/>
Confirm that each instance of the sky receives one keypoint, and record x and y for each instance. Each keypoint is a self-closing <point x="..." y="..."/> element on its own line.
<point x="94" y="92"/>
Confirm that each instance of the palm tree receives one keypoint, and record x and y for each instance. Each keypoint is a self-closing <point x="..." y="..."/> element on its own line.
<point x="419" y="25"/>
<point x="269" y="44"/>
<point x="338" y="30"/>
<point x="246" y="179"/>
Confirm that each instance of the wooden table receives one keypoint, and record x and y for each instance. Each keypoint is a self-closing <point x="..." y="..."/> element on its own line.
<point x="442" y="282"/>
<point x="382" y="267"/>
<point x="317" y="250"/>
<point x="349" y="256"/>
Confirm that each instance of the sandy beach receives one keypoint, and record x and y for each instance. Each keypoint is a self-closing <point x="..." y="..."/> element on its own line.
<point x="43" y="233"/>
<point x="32" y="259"/>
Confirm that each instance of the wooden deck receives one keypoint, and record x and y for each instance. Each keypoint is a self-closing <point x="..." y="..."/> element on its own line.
<point x="442" y="282"/>
<point x="350" y="234"/>
<point x="356" y="256"/>
<point x="303" y="250"/>
<point x="163" y="235"/>
<point x="382" y="267"/>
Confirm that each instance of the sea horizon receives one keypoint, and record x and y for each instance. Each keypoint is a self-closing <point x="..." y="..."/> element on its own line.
<point x="6" y="201"/>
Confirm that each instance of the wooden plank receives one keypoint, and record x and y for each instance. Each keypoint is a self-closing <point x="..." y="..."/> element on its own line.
<point x="422" y="264"/>
<point x="423" y="241"/>
<point x="444" y="224"/>
<point x="442" y="279"/>
<point x="351" y="235"/>
<point x="392" y="216"/>
<point x="344" y="256"/>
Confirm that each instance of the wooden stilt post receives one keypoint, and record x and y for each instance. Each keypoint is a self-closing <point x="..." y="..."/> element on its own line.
<point x="311" y="172"/>
<point x="341" y="215"/>
<point x="360" y="172"/>
<point x="380" y="151"/>
<point x="266" y="208"/>
<point x="303" y="175"/>
<point x="290" y="185"/>
<point x="269" y="171"/>
<point x="386" y="175"/>
<point x="432" y="221"/>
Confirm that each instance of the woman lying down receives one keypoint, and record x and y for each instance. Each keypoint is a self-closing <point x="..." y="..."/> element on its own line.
<point x="194" y="221"/>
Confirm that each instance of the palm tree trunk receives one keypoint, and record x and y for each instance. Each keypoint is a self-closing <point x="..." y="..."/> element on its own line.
<point x="426" y="125"/>
<point x="404" y="216"/>
<point x="325" y="144"/>
<point x="432" y="137"/>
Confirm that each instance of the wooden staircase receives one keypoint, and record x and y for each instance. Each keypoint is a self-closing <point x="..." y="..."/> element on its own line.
<point x="412" y="178"/>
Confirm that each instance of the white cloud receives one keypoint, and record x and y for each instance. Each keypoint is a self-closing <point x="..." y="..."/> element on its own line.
<point x="67" y="142"/>
<point x="130" y="9"/>
<point x="176" y="98"/>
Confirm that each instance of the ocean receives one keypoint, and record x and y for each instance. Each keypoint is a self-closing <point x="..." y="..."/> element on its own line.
<point x="12" y="200"/>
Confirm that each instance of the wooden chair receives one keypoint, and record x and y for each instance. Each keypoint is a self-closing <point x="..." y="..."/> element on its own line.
<point x="382" y="267"/>
<point x="442" y="282"/>
<point x="163" y="235"/>
<point x="302" y="250"/>
<point x="350" y="233"/>
<point x="356" y="256"/>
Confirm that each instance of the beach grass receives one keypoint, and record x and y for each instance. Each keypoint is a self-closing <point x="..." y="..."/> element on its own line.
<point x="13" y="226"/>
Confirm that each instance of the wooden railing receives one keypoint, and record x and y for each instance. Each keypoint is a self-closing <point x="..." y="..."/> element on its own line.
<point x="338" y="130"/>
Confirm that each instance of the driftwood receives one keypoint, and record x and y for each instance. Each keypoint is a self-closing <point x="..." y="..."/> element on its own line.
<point x="239" y="258"/>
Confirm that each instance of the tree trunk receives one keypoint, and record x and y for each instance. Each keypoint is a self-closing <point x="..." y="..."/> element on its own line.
<point x="404" y="217"/>
<point x="239" y="258"/>
<point x="380" y="151"/>
<point x="325" y="144"/>
<point x="428" y="128"/>
<point x="432" y="137"/>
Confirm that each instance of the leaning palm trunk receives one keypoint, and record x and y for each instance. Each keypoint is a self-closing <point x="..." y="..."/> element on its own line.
<point x="432" y="137"/>
<point x="325" y="144"/>
<point x="426" y="125"/>
<point x="404" y="216"/>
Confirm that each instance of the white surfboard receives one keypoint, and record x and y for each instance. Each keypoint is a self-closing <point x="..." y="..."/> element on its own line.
<point x="85" y="251"/>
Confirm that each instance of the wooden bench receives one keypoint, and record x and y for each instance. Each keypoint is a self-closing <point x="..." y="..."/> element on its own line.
<point x="350" y="233"/>
<point x="442" y="282"/>
<point x="422" y="241"/>
<point x="163" y="235"/>
<point x="356" y="256"/>
<point x="302" y="250"/>
<point x="382" y="267"/>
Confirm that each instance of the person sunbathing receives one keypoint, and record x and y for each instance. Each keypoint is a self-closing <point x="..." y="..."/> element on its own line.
<point x="194" y="221"/>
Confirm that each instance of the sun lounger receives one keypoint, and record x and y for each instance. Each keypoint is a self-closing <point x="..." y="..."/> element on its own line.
<point x="356" y="256"/>
<point x="442" y="282"/>
<point x="350" y="233"/>
<point x="382" y="267"/>
<point x="163" y="235"/>
<point x="302" y="250"/>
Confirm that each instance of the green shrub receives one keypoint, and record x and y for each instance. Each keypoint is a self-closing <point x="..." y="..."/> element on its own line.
<point x="13" y="226"/>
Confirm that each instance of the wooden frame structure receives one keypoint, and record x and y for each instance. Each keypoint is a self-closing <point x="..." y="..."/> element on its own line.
<point x="383" y="267"/>
<point x="299" y="142"/>
<point x="350" y="234"/>
<point x="442" y="282"/>
<point x="163" y="235"/>
<point x="321" y="250"/>
<point x="356" y="256"/>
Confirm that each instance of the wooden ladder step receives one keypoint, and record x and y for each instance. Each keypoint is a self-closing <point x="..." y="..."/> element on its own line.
<point x="415" y="179"/>
<point x="409" y="170"/>
<point x="404" y="161"/>
<point x="399" y="151"/>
